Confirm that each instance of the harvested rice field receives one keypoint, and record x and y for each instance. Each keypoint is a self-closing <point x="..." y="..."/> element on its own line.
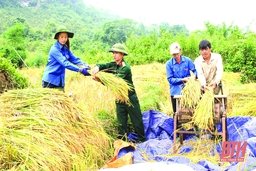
<point x="45" y="129"/>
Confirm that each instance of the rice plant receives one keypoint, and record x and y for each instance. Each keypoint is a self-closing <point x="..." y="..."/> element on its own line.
<point x="203" y="114"/>
<point x="43" y="129"/>
<point x="191" y="94"/>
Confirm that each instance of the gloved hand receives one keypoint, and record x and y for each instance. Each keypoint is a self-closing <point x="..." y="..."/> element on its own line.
<point x="84" y="71"/>
<point x="87" y="67"/>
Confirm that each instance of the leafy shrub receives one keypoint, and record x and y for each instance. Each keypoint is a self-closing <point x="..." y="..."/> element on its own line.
<point x="10" y="78"/>
<point x="36" y="60"/>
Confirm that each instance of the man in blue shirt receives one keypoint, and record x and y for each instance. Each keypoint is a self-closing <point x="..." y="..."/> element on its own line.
<point x="178" y="72"/>
<point x="60" y="58"/>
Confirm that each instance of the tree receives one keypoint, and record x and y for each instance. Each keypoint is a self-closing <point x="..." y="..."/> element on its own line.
<point x="15" y="48"/>
<point x="165" y="25"/>
<point x="176" y="29"/>
<point x="117" y="31"/>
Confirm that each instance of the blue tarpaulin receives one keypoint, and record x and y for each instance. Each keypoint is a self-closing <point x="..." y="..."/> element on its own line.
<point x="159" y="134"/>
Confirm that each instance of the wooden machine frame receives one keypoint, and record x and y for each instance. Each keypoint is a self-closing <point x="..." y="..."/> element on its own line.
<point x="185" y="115"/>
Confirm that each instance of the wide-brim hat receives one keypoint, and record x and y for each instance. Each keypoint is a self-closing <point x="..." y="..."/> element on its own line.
<point x="63" y="29"/>
<point x="118" y="48"/>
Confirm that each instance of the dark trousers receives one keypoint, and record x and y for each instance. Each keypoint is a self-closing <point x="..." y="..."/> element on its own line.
<point x="49" y="85"/>
<point x="122" y="111"/>
<point x="173" y="105"/>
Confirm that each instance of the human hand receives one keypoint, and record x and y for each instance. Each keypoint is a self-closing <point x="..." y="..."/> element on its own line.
<point x="184" y="79"/>
<point x="84" y="71"/>
<point x="213" y="85"/>
<point x="95" y="70"/>
<point x="207" y="88"/>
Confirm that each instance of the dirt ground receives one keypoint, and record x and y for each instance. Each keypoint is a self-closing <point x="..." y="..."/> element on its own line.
<point x="4" y="83"/>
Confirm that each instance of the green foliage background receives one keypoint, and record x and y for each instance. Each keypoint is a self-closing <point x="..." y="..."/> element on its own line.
<point x="14" y="78"/>
<point x="29" y="26"/>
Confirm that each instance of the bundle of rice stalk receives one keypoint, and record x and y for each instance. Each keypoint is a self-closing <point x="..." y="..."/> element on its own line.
<point x="118" y="86"/>
<point x="43" y="129"/>
<point x="203" y="114"/>
<point x="191" y="94"/>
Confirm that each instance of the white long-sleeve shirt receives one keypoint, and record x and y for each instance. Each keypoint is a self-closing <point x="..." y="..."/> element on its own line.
<point x="211" y="72"/>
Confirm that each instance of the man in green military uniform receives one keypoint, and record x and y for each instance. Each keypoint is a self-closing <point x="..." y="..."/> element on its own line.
<point x="122" y="69"/>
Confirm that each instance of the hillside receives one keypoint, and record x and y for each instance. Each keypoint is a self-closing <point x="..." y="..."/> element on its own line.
<point x="29" y="26"/>
<point x="39" y="13"/>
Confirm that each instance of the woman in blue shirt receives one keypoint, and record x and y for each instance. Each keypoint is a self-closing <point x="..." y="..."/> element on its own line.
<point x="60" y="58"/>
<point x="177" y="71"/>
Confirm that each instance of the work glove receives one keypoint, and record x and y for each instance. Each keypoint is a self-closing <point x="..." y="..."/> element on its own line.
<point x="87" y="67"/>
<point x="84" y="71"/>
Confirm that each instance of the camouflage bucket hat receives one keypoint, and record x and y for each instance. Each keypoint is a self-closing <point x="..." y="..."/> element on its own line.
<point x="62" y="29"/>
<point x="118" y="48"/>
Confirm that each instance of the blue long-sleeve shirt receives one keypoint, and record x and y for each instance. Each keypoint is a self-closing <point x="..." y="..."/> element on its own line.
<point x="175" y="72"/>
<point x="60" y="58"/>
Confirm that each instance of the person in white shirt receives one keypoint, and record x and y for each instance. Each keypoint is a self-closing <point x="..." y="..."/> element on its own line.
<point x="209" y="68"/>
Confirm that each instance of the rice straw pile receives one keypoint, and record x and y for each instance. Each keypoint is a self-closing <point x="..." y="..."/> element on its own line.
<point x="118" y="86"/>
<point x="203" y="115"/>
<point x="191" y="94"/>
<point x="43" y="129"/>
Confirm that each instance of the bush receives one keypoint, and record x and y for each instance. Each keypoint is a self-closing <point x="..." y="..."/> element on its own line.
<point x="10" y="78"/>
<point x="36" y="60"/>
